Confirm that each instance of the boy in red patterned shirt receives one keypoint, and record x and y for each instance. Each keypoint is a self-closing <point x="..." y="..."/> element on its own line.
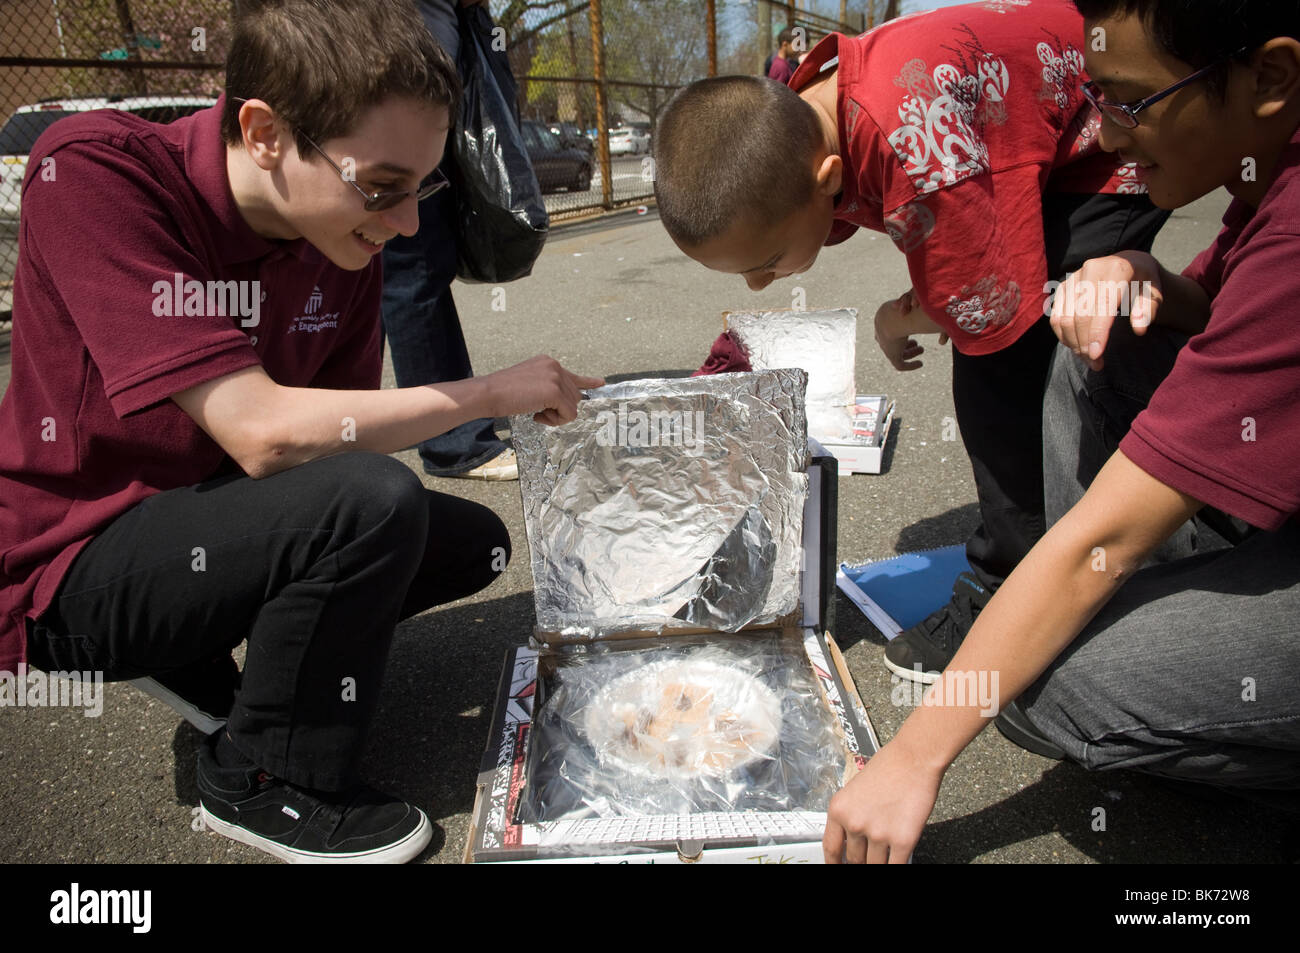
<point x="963" y="134"/>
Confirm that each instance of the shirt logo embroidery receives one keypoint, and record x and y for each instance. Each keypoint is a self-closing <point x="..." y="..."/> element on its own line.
<point x="313" y="319"/>
<point x="314" y="302"/>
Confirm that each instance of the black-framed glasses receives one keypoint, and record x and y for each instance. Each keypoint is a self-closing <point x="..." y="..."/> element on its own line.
<point x="1125" y="114"/>
<point x="379" y="201"/>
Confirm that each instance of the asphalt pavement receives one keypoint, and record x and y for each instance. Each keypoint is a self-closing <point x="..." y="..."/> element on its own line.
<point x="616" y="298"/>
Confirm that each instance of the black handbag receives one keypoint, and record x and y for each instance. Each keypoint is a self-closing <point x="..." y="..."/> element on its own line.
<point x="501" y="216"/>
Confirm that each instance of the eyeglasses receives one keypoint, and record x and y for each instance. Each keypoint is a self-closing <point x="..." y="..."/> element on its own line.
<point x="379" y="201"/>
<point x="1125" y="114"/>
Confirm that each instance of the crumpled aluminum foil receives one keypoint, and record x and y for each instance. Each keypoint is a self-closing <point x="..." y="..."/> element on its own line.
<point x="668" y="504"/>
<point x="823" y="343"/>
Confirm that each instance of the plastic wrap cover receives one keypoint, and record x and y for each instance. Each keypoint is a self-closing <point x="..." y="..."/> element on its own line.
<point x="668" y="503"/>
<point x="685" y="725"/>
<point x="821" y="342"/>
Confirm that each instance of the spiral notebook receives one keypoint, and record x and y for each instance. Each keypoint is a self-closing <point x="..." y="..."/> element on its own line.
<point x="897" y="593"/>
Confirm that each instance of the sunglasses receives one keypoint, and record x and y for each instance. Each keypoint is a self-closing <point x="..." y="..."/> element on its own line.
<point x="379" y="201"/>
<point x="1125" y="114"/>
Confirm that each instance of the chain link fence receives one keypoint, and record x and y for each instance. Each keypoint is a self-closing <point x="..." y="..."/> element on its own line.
<point x="593" y="75"/>
<point x="160" y="58"/>
<point x="604" y="70"/>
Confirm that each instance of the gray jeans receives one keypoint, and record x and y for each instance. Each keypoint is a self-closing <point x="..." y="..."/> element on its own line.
<point x="1192" y="670"/>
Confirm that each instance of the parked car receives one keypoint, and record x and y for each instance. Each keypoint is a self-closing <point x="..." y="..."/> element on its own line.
<point x="28" y="122"/>
<point x="629" y="140"/>
<point x="557" y="167"/>
<point x="571" y="137"/>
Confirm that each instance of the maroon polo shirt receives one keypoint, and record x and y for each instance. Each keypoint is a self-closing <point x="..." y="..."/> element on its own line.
<point x="1224" y="426"/>
<point x="104" y="334"/>
<point x="780" y="70"/>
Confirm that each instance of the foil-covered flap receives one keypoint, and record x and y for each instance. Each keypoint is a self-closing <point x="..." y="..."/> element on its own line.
<point x="668" y="504"/>
<point x="823" y="343"/>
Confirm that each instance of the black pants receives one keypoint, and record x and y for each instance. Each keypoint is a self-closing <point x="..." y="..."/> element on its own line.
<point x="999" y="397"/>
<point x="314" y="566"/>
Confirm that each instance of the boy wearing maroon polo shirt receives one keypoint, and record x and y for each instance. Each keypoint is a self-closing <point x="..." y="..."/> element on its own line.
<point x="1189" y="671"/>
<point x="963" y="134"/>
<point x="193" y="446"/>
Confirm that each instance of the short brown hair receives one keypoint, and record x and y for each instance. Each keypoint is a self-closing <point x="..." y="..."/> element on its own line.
<point x="321" y="63"/>
<point x="733" y="148"/>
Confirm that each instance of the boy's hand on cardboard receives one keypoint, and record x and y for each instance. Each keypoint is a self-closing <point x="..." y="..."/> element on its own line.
<point x="539" y="386"/>
<point x="896" y="322"/>
<point x="878" y="816"/>
<point x="1089" y="301"/>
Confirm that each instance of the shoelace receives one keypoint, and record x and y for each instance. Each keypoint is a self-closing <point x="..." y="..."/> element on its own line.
<point x="945" y="632"/>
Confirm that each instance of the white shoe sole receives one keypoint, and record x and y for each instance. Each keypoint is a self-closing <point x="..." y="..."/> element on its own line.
<point x="494" y="469"/>
<point x="503" y="474"/>
<point x="911" y="674"/>
<point x="400" y="852"/>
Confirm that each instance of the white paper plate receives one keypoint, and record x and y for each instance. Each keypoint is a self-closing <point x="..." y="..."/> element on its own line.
<point x="678" y="719"/>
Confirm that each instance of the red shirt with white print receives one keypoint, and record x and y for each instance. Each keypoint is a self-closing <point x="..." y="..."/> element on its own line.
<point x="114" y="208"/>
<point x="952" y="125"/>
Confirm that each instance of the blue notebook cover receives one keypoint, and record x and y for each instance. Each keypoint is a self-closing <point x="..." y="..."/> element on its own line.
<point x="897" y="593"/>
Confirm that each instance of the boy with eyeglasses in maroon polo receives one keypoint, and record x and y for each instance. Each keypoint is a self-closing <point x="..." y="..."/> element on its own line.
<point x="193" y="446"/>
<point x="1185" y="666"/>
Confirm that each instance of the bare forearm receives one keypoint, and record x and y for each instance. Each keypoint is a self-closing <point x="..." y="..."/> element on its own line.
<point x="1038" y="611"/>
<point x="310" y="423"/>
<point x="915" y="321"/>
<point x="1044" y="605"/>
<point x="266" y="427"/>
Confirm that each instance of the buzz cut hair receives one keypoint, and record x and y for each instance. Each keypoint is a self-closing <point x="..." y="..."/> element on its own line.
<point x="320" y="64"/>
<point x="732" y="149"/>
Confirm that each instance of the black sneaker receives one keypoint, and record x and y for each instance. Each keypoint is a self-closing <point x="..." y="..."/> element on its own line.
<point x="202" y="694"/>
<point x="924" y="650"/>
<point x="362" y="826"/>
<point x="1016" y="727"/>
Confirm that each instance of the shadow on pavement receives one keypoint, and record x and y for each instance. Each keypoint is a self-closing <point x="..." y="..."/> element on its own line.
<point x="432" y="724"/>
<point x="945" y="529"/>
<point x="1142" y="820"/>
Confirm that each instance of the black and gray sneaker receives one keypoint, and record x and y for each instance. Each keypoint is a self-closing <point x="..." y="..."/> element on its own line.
<point x="202" y="694"/>
<point x="1016" y="727"/>
<point x="361" y="826"/>
<point x="924" y="650"/>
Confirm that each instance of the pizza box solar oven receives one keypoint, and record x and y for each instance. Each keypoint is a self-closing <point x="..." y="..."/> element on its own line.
<point x="851" y="427"/>
<point x="681" y="699"/>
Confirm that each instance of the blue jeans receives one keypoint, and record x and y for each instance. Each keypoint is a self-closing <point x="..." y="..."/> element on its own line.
<point x="424" y="333"/>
